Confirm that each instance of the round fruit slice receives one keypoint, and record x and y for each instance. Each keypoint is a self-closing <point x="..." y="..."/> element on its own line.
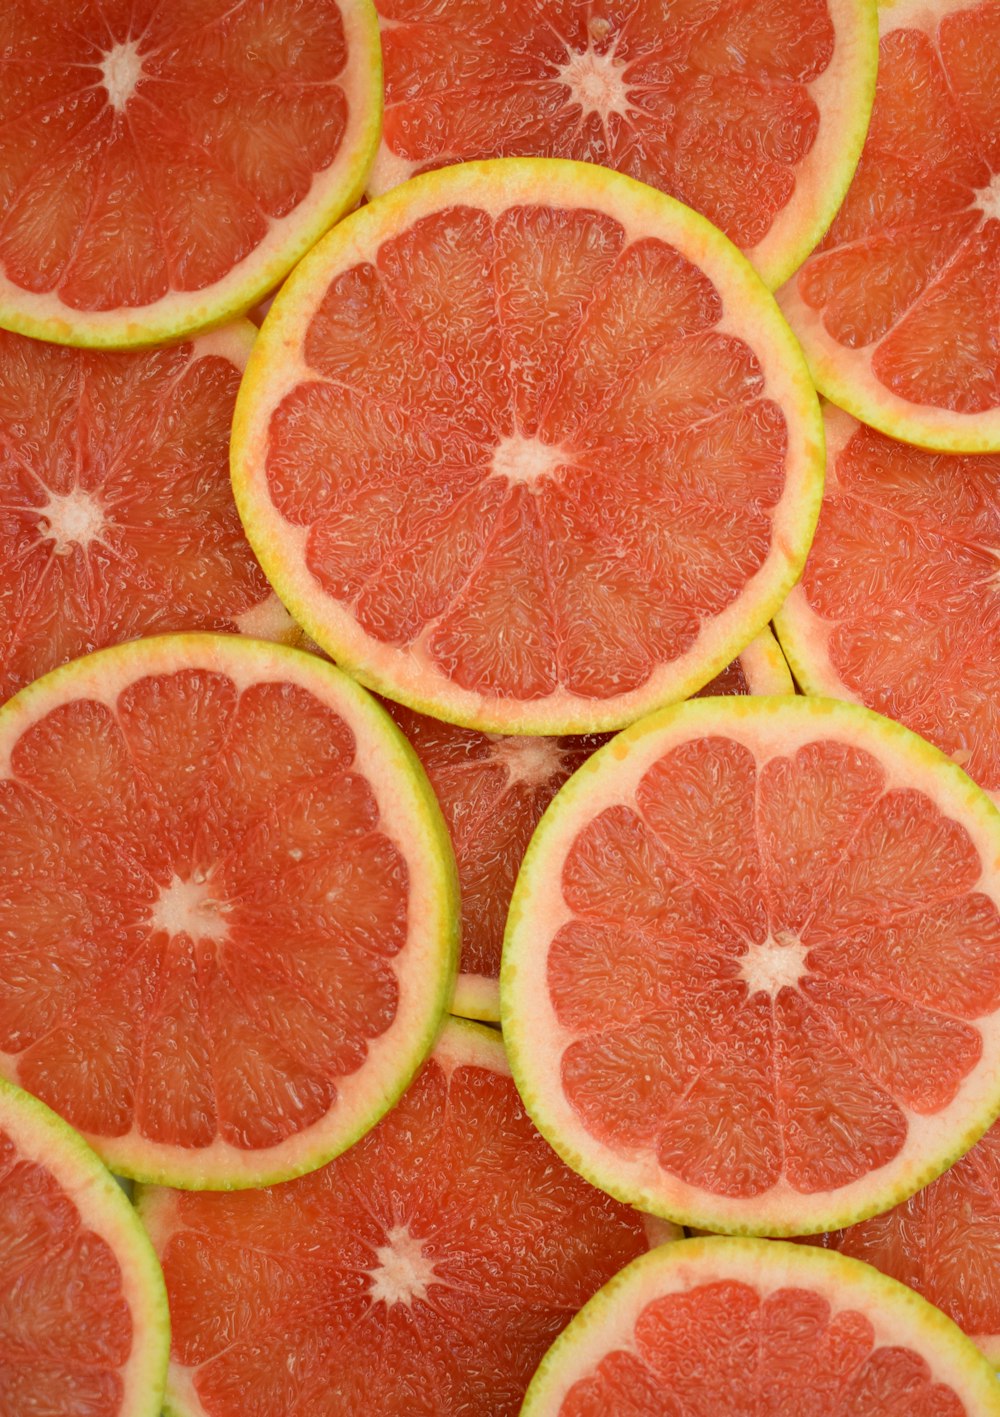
<point x="944" y="1242"/>
<point x="83" y="1313"/>
<point x="116" y="510"/>
<point x="425" y="1271"/>
<point x="527" y="446"/>
<point x="899" y="308"/>
<point x="229" y="913"/>
<point x="741" y="1326"/>
<point x="163" y="166"/>
<point x="753" y="112"/>
<point x="898" y="605"/>
<point x="751" y="976"/>
<point x="493" y="791"/>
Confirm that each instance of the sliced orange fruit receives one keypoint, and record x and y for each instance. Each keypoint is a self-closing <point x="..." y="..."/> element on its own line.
<point x="162" y="166"/>
<point x="527" y="445"/>
<point x="753" y="112"/>
<point x="751" y="974"/>
<point x="899" y="309"/>
<point x="898" y="606"/>
<point x="741" y="1326"/>
<point x="229" y="917"/>
<point x="493" y="790"/>
<point x="424" y="1271"/>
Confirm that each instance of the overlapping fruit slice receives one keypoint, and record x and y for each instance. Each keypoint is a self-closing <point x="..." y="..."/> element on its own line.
<point x="751" y="978"/>
<point x="751" y="111"/>
<point x="163" y="165"/>
<point x="229" y="907"/>
<point x="116" y="511"/>
<point x="527" y="445"/>
<point x="424" y="1271"/>
<point x="83" y="1313"/>
<point x="899" y="309"/>
<point x="493" y="791"/>
<point x="898" y="606"/>
<point x="741" y="1326"/>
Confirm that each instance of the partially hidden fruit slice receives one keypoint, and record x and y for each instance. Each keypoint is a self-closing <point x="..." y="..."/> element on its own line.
<point x="527" y="446"/>
<point x="424" y="1271"/>
<point x="754" y="112"/>
<point x="944" y="1242"/>
<point x="899" y="309"/>
<point x="743" y="1326"/>
<point x="84" y="1327"/>
<point x="116" y="510"/>
<point x="229" y="915"/>
<point x="751" y="975"/>
<point x="493" y="791"/>
<point x="898" y="606"/>
<point x="163" y="166"/>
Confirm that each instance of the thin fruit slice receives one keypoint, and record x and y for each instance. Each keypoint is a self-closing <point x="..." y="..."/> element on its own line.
<point x="229" y="913"/>
<point x="162" y="166"/>
<point x="527" y="446"/>
<point x="425" y="1271"/>
<point x="84" y="1329"/>
<point x="116" y="510"/>
<point x="493" y="791"/>
<point x="944" y="1242"/>
<point x="751" y="975"/>
<point x="754" y="112"/>
<point x="899" y="308"/>
<point x="741" y="1326"/>
<point x="898" y="606"/>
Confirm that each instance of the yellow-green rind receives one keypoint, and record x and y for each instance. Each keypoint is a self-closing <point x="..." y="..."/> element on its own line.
<point x="274" y="368"/>
<point x="248" y="661"/>
<point x="526" y="942"/>
<point x="42" y="1136"/>
<point x="476" y="996"/>
<point x="887" y="1304"/>
<point x="180" y="313"/>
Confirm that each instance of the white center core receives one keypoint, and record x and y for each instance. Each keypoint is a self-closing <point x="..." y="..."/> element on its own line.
<point x="403" y="1272"/>
<point x="525" y="459"/>
<point x="71" y="518"/>
<point x="530" y="760"/>
<point x="774" y="965"/>
<point x="597" y="83"/>
<point x="988" y="198"/>
<point x="190" y="907"/>
<point x="120" y="71"/>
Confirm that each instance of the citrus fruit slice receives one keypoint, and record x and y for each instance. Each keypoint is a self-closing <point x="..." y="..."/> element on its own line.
<point x="527" y="446"/>
<point x="424" y="1271"/>
<point x="116" y="510"/>
<point x="898" y="605"/>
<point x="84" y="1328"/>
<point x="944" y="1242"/>
<point x="741" y="1326"/>
<point x="163" y="166"/>
<point x="751" y="975"/>
<point x="754" y="112"/>
<point x="229" y="907"/>
<point x="898" y="309"/>
<point x="493" y="791"/>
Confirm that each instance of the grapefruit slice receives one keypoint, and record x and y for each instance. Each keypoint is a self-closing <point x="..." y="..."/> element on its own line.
<point x="899" y="310"/>
<point x="163" y="166"/>
<point x="944" y="1242"/>
<point x="527" y="446"/>
<point x="424" y="1271"/>
<point x="898" y="605"/>
<point x="229" y="908"/>
<point x="116" y="511"/>
<point x="753" y="113"/>
<point x="84" y="1328"/>
<point x="751" y="975"/>
<point x="741" y="1326"/>
<point x="493" y="791"/>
